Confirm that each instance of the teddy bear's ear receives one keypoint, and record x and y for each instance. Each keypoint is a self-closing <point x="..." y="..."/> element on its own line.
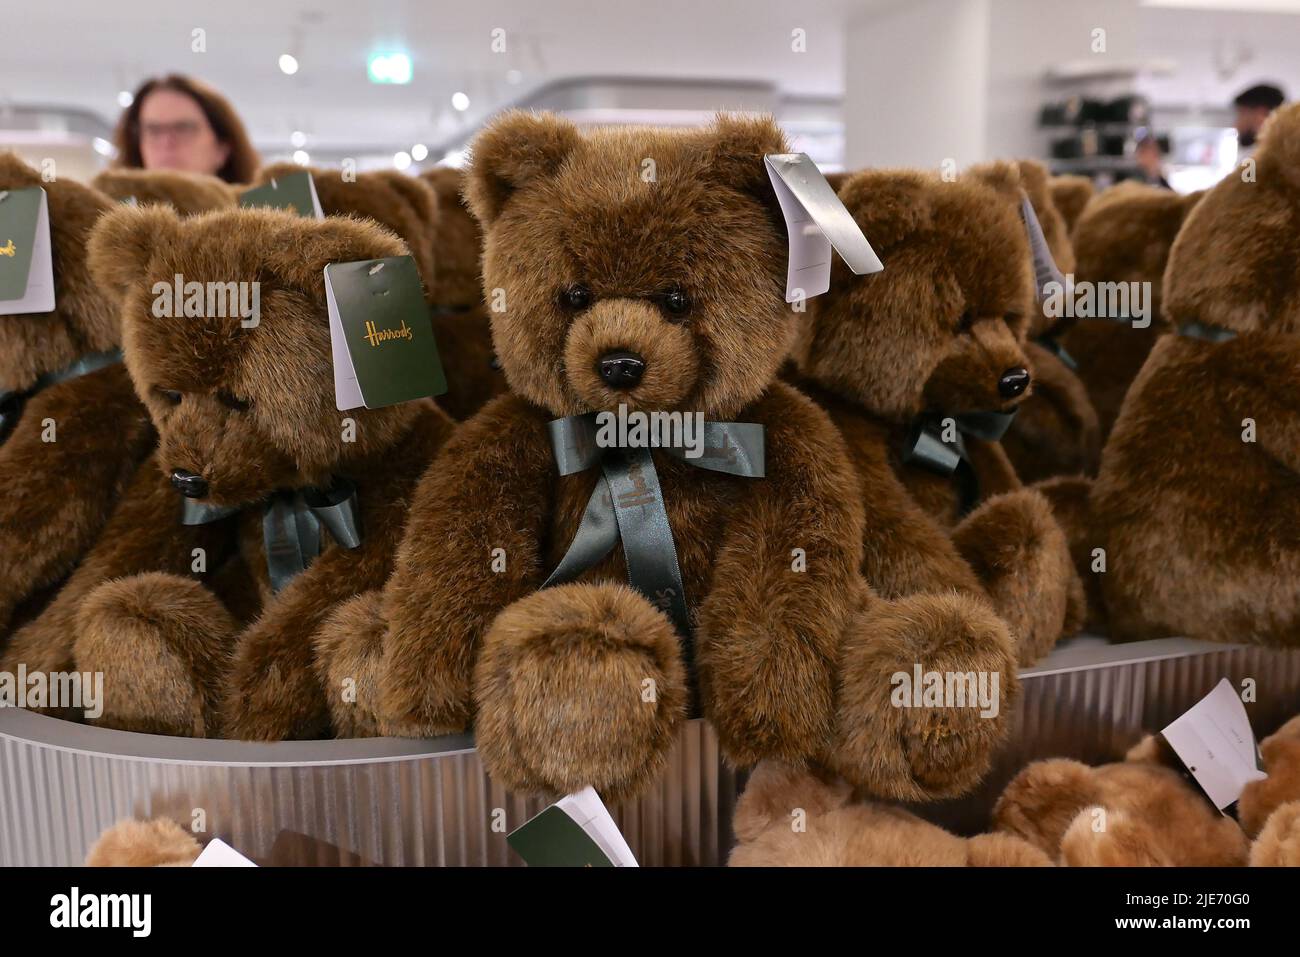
<point x="511" y="152"/>
<point x="1001" y="175"/>
<point x="123" y="241"/>
<point x="775" y="790"/>
<point x="1279" y="148"/>
<point x="735" y="147"/>
<point x="887" y="204"/>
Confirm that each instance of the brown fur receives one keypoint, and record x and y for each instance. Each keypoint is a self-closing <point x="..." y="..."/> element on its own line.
<point x="833" y="831"/>
<point x="460" y="318"/>
<point x="1138" y="812"/>
<point x="562" y="672"/>
<point x="933" y="333"/>
<point x="157" y="843"/>
<point x="59" y="494"/>
<point x="1200" y="526"/>
<point x="1124" y="235"/>
<point x="187" y="193"/>
<point x="1070" y="196"/>
<point x="176" y="658"/>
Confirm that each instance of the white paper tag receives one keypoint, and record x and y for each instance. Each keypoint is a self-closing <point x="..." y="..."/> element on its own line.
<point x="39" y="296"/>
<point x="816" y="221"/>
<point x="589" y="813"/>
<point x="220" y="854"/>
<point x="347" y="390"/>
<point x="1214" y="739"/>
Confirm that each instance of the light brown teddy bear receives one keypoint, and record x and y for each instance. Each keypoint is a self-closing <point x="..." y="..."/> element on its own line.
<point x="921" y="367"/>
<point x="187" y="193"/>
<point x="159" y="842"/>
<point x="1071" y="195"/>
<point x="1197" y="504"/>
<point x="789" y="817"/>
<point x="510" y="606"/>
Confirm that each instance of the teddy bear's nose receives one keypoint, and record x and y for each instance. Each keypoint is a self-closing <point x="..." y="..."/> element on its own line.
<point x="189" y="484"/>
<point x="1013" y="383"/>
<point x="622" y="370"/>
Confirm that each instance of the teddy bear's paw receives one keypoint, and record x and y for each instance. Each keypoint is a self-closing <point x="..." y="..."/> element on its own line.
<point x="1020" y="553"/>
<point x="927" y="684"/>
<point x="349" y="654"/>
<point x="157" y="843"/>
<point x="578" y="685"/>
<point x="1004" y="850"/>
<point x="1278" y="844"/>
<point x="162" y="643"/>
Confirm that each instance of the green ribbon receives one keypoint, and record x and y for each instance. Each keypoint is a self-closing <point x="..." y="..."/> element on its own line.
<point x="291" y="524"/>
<point x="1053" y="345"/>
<point x="1201" y="330"/>
<point x="627" y="505"/>
<point x="927" y="448"/>
<point x="13" y="400"/>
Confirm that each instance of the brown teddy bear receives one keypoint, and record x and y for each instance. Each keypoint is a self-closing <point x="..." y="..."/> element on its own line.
<point x="1124" y="235"/>
<point x="1147" y="811"/>
<point x="1056" y="430"/>
<point x="789" y="817"/>
<point x="509" y="605"/>
<point x="460" y="318"/>
<point x="920" y="366"/>
<point x="187" y="193"/>
<point x="1071" y="195"/>
<point x="71" y="429"/>
<point x="247" y="425"/>
<point x="1198" y="499"/>
<point x="159" y="842"/>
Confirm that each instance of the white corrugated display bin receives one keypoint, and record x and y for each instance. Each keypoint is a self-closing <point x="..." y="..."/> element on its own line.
<point x="428" y="802"/>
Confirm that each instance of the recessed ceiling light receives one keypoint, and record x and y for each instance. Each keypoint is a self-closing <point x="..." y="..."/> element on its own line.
<point x="125" y="99"/>
<point x="460" y="101"/>
<point x="389" y="68"/>
<point x="288" y="64"/>
<point x="402" y="159"/>
<point x="102" y="146"/>
<point x="301" y="158"/>
<point x="298" y="138"/>
<point x="419" y="152"/>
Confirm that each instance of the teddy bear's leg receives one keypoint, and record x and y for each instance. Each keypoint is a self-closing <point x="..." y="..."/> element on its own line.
<point x="1020" y="553"/>
<point x="1003" y="850"/>
<point x="1278" y="844"/>
<point x="349" y="655"/>
<point x="926" y="690"/>
<point x="1071" y="498"/>
<point x="162" y="643"/>
<point x="577" y="685"/>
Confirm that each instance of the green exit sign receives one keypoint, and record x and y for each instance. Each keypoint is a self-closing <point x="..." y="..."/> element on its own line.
<point x="389" y="68"/>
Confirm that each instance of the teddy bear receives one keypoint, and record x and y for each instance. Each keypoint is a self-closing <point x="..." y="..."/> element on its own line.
<point x="1146" y="810"/>
<point x="187" y="193"/>
<point x="1124" y="235"/>
<point x="289" y="505"/>
<point x="1071" y="194"/>
<point x="792" y="817"/>
<point x="460" y="317"/>
<point x="158" y="842"/>
<point x="921" y="366"/>
<point x="574" y="595"/>
<point x="1056" y="430"/>
<point x="71" y="429"/>
<point x="1197" y="501"/>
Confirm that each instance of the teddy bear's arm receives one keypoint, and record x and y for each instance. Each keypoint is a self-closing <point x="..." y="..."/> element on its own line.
<point x="1258" y="381"/>
<point x="771" y="625"/>
<point x="474" y="543"/>
<point x="992" y="468"/>
<point x="61" y="472"/>
<point x="143" y="534"/>
<point x="274" y="691"/>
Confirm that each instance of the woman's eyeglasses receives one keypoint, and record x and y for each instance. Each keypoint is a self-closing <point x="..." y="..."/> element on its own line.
<point x="180" y="130"/>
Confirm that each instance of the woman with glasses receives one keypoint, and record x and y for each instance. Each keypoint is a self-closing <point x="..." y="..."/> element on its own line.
<point x="179" y="123"/>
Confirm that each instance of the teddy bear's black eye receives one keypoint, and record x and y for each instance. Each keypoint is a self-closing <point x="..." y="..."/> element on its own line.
<point x="576" y="297"/>
<point x="171" y="396"/>
<point x="676" y="302"/>
<point x="232" y="402"/>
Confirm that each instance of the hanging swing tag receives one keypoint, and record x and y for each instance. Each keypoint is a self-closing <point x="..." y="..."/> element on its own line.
<point x="816" y="221"/>
<point x="295" y="193"/>
<point x="26" y="260"/>
<point x="1214" y="740"/>
<point x="381" y="334"/>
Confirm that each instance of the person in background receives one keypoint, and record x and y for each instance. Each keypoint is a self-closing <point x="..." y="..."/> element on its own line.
<point x="1253" y="108"/>
<point x="179" y="123"/>
<point x="1150" y="160"/>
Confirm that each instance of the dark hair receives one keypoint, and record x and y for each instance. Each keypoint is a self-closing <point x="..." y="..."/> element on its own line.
<point x="1264" y="94"/>
<point x="240" y="166"/>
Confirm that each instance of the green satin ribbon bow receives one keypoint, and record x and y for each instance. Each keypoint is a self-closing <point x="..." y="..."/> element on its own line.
<point x="927" y="447"/>
<point x="1053" y="345"/>
<point x="1201" y="330"/>
<point x="13" y="400"/>
<point x="627" y="505"/>
<point x="291" y="524"/>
